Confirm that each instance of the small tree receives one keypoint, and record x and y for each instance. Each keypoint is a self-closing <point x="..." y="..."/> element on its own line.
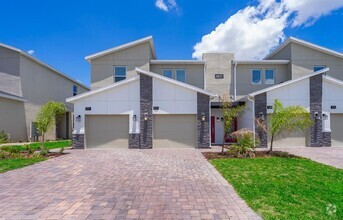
<point x="47" y="116"/>
<point x="290" y="118"/>
<point x="229" y="113"/>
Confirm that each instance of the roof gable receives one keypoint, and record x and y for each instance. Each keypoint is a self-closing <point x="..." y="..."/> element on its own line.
<point x="124" y="46"/>
<point x="305" y="44"/>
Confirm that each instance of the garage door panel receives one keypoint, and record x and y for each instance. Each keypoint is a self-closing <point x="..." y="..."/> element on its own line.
<point x="174" y="131"/>
<point x="336" y="130"/>
<point x="107" y="131"/>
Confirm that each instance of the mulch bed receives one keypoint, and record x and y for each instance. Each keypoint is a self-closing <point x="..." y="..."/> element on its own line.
<point x="258" y="154"/>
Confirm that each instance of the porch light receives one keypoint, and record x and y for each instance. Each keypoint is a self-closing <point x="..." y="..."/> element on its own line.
<point x="317" y="115"/>
<point x="222" y="119"/>
<point x="145" y="116"/>
<point x="217" y="119"/>
<point x="78" y="118"/>
<point x="262" y="116"/>
<point x="203" y="118"/>
<point x="134" y="117"/>
<point x="325" y="117"/>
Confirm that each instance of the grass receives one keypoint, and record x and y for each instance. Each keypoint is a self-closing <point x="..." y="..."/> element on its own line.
<point x="15" y="163"/>
<point x="48" y="145"/>
<point x="285" y="188"/>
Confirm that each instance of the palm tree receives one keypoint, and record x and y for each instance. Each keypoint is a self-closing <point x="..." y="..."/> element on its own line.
<point x="290" y="118"/>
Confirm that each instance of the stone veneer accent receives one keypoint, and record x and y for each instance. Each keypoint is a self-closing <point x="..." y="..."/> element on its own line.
<point x="316" y="94"/>
<point x="134" y="141"/>
<point x="261" y="107"/>
<point x="146" y="107"/>
<point x="78" y="141"/>
<point x="203" y="127"/>
<point x="327" y="139"/>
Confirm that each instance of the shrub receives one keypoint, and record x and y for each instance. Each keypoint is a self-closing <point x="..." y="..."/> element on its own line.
<point x="30" y="150"/>
<point x="3" y="137"/>
<point x="43" y="152"/>
<point x="246" y="142"/>
<point x="2" y="155"/>
<point x="62" y="150"/>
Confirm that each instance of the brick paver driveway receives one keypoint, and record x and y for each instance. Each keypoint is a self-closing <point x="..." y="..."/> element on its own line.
<point x="118" y="184"/>
<point x="332" y="156"/>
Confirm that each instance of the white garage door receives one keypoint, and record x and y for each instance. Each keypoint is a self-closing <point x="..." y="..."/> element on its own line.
<point x="336" y="130"/>
<point x="107" y="131"/>
<point x="174" y="131"/>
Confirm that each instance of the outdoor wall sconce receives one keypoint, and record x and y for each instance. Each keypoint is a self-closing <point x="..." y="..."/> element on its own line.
<point x="203" y="118"/>
<point x="217" y="119"/>
<point x="262" y="116"/>
<point x="134" y="118"/>
<point x="317" y="115"/>
<point x="222" y="119"/>
<point x="325" y="117"/>
<point x="145" y="116"/>
<point x="78" y="118"/>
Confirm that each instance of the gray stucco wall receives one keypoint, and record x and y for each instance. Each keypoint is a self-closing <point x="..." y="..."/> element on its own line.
<point x="146" y="108"/>
<point x="102" y="68"/>
<point x="203" y="127"/>
<point x="194" y="72"/>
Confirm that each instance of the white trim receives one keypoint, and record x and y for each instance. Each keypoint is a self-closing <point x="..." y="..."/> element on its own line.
<point x="44" y="65"/>
<point x="284" y="84"/>
<point x="184" y="69"/>
<point x="177" y="62"/>
<point x="261" y="61"/>
<point x="252" y="78"/>
<point x="92" y="92"/>
<point x="306" y="44"/>
<point x="173" y="81"/>
<point x="333" y="80"/>
<point x="265" y="78"/>
<point x="12" y="97"/>
<point x="122" y="47"/>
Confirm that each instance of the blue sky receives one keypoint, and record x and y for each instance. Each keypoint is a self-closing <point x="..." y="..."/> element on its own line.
<point x="62" y="33"/>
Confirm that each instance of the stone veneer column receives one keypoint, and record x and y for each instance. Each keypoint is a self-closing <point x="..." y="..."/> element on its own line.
<point x="134" y="141"/>
<point x="261" y="107"/>
<point x="316" y="94"/>
<point x="78" y="141"/>
<point x="146" y="108"/>
<point x="203" y="127"/>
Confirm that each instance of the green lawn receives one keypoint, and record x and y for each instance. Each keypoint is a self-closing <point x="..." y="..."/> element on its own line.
<point x="49" y="145"/>
<point x="14" y="163"/>
<point x="285" y="188"/>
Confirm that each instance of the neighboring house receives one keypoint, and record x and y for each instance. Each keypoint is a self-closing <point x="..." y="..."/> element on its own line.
<point x="25" y="85"/>
<point x="138" y="101"/>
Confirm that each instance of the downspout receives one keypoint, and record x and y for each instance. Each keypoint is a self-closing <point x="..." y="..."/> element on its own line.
<point x="234" y="80"/>
<point x="253" y="124"/>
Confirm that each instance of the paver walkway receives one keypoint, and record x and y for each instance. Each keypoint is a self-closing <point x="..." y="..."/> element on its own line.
<point x="332" y="156"/>
<point x="119" y="184"/>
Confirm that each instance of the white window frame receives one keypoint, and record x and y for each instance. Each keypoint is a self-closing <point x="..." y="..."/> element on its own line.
<point x="252" y="82"/>
<point x="185" y="74"/>
<point x="172" y="72"/>
<point x="265" y="76"/>
<point x="114" y="74"/>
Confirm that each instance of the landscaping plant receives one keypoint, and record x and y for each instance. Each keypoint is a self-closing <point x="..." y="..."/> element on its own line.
<point x="229" y="113"/>
<point x="290" y="118"/>
<point x="47" y="116"/>
<point x="246" y="142"/>
<point x="3" y="137"/>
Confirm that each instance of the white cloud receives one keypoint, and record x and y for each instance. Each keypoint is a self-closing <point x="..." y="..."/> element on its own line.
<point x="166" y="5"/>
<point x="253" y="31"/>
<point x="31" y="52"/>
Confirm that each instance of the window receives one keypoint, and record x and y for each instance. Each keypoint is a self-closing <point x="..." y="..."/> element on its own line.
<point x="167" y="73"/>
<point x="269" y="76"/>
<point x="74" y="90"/>
<point x="256" y="76"/>
<point x="119" y="73"/>
<point x="181" y="75"/>
<point x="317" y="68"/>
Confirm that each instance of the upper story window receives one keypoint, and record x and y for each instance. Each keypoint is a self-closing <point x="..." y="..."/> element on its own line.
<point x="181" y="75"/>
<point x="167" y="73"/>
<point x="256" y="76"/>
<point x="119" y="73"/>
<point x="317" y="68"/>
<point x="74" y="90"/>
<point x="269" y="77"/>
